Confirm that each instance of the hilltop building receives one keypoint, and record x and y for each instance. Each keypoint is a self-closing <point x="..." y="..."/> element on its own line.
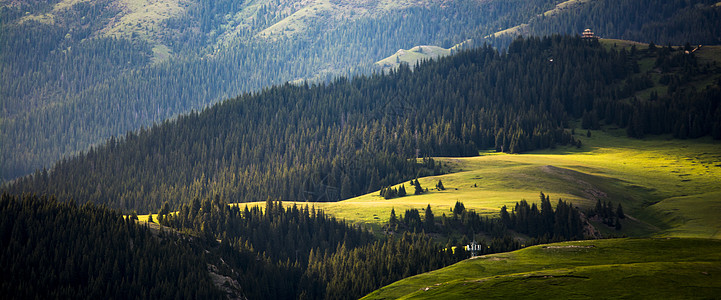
<point x="588" y="34"/>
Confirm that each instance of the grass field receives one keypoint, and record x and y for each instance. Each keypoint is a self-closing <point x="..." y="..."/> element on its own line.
<point x="412" y="56"/>
<point x="666" y="186"/>
<point x="617" y="268"/>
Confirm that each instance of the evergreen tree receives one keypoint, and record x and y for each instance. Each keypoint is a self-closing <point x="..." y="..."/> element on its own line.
<point x="418" y="188"/>
<point x="429" y="221"/>
<point x="393" y="221"/>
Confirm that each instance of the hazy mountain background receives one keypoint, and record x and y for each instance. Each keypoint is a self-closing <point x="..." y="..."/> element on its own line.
<point x="74" y="72"/>
<point x="77" y="72"/>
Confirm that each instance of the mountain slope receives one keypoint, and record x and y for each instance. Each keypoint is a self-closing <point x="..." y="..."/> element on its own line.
<point x="75" y="73"/>
<point x="245" y="150"/>
<point x="677" y="268"/>
<point x="54" y="249"/>
<point x="659" y="21"/>
<point x="665" y="186"/>
<point x="353" y="136"/>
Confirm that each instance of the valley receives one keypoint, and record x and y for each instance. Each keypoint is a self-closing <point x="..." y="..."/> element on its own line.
<point x="325" y="149"/>
<point x="667" y="186"/>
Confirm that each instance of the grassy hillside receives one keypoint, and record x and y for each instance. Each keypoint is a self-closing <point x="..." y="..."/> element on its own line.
<point x="666" y="186"/>
<point x="618" y="268"/>
<point x="412" y="56"/>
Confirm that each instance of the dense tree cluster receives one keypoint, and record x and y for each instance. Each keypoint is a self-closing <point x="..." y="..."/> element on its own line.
<point x="279" y="252"/>
<point x="605" y="213"/>
<point x="541" y="226"/>
<point x="290" y="252"/>
<point x="279" y="232"/>
<point x="51" y="249"/>
<point x="328" y="142"/>
<point x="353" y="273"/>
<point x="563" y="223"/>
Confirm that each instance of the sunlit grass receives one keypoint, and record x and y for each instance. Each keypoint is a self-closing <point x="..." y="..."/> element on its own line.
<point x="652" y="178"/>
<point x="655" y="268"/>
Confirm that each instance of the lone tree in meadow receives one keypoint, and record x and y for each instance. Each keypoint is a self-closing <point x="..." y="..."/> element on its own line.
<point x="419" y="189"/>
<point x="440" y="186"/>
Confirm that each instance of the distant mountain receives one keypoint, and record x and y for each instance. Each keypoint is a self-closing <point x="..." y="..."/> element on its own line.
<point x="75" y="72"/>
<point x="663" y="22"/>
<point x="333" y="141"/>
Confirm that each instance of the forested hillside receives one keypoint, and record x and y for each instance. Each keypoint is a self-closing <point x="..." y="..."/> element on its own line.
<point x="51" y="249"/>
<point x="349" y="137"/>
<point x="299" y="252"/>
<point x="59" y="250"/>
<point x="74" y="73"/>
<point x="663" y="22"/>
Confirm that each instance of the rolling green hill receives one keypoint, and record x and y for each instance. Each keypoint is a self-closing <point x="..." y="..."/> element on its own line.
<point x="617" y="268"/>
<point x="666" y="186"/>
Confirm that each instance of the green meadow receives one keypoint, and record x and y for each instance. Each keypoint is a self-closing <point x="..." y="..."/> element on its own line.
<point x="667" y="187"/>
<point x="667" y="268"/>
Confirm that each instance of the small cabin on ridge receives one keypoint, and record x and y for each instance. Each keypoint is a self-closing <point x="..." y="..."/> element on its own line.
<point x="588" y="34"/>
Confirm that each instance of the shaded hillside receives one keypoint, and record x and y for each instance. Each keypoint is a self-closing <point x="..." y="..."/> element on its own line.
<point x="350" y="137"/>
<point x="50" y="249"/>
<point x="73" y="73"/>
<point x="663" y="22"/>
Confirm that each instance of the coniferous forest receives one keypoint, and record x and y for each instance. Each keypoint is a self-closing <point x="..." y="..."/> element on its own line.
<point x="53" y="249"/>
<point x="326" y="142"/>
<point x="210" y="249"/>
<point x="193" y="115"/>
<point x="68" y="83"/>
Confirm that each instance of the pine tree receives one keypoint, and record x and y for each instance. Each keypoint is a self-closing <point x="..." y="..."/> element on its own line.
<point x="619" y="212"/>
<point x="393" y="220"/>
<point x="440" y="186"/>
<point x="505" y="217"/>
<point x="419" y="189"/>
<point x="429" y="220"/>
<point x="458" y="208"/>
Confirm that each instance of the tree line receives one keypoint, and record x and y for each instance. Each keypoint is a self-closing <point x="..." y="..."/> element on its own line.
<point x="326" y="142"/>
<point x="282" y="252"/>
<point x="53" y="249"/>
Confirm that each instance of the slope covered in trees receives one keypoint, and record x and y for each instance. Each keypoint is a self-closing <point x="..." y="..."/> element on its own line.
<point x="663" y="22"/>
<point x="74" y="75"/>
<point x="51" y="249"/>
<point x="325" y="142"/>
<point x="299" y="252"/>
